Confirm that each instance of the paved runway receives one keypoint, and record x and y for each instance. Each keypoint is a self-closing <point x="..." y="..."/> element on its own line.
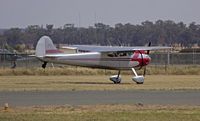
<point x="36" y="98"/>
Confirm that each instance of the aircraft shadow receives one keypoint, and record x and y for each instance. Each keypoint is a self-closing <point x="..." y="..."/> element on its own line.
<point x="90" y="83"/>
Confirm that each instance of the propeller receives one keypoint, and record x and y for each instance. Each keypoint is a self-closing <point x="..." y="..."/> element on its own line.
<point x="44" y="65"/>
<point x="148" y="51"/>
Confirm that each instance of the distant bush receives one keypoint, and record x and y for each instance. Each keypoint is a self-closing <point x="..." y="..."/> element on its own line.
<point x="20" y="47"/>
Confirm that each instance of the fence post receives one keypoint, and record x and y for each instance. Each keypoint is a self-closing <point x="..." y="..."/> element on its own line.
<point x="26" y="60"/>
<point x="4" y="58"/>
<point x="168" y="57"/>
<point x="193" y="57"/>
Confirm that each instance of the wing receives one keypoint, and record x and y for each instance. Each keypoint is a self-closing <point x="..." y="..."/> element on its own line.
<point x="112" y="48"/>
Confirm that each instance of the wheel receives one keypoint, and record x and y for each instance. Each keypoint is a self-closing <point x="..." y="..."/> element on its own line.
<point x="115" y="79"/>
<point x="117" y="82"/>
<point x="138" y="79"/>
<point x="139" y="82"/>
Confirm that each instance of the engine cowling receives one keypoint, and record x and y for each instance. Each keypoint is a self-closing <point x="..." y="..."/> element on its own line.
<point x="142" y="58"/>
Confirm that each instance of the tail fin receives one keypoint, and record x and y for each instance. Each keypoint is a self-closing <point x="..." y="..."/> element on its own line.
<point x="45" y="46"/>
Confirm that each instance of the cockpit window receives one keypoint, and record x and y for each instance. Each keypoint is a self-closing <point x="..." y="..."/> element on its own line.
<point x="119" y="54"/>
<point x="111" y="55"/>
<point x="130" y="53"/>
<point x="122" y="54"/>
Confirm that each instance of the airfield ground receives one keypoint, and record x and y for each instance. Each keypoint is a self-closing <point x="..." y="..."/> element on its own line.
<point x="97" y="82"/>
<point x="102" y="113"/>
<point x="115" y="112"/>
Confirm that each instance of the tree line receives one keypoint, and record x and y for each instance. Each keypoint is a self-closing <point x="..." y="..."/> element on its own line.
<point x="159" y="33"/>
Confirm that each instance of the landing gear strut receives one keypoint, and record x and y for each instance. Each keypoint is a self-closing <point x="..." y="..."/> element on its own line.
<point x="116" y="78"/>
<point x="137" y="79"/>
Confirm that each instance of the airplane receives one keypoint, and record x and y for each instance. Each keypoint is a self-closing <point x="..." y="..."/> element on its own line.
<point x="103" y="57"/>
<point x="6" y="55"/>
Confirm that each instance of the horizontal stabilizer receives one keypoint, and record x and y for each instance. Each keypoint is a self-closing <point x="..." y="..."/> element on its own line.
<point x="32" y="55"/>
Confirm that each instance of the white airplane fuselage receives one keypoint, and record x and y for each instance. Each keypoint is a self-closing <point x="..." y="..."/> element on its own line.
<point x="116" y="61"/>
<point x="104" y="57"/>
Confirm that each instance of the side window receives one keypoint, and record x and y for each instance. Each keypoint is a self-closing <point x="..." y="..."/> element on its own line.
<point x="110" y="54"/>
<point x="118" y="54"/>
<point x="113" y="54"/>
<point x="122" y="54"/>
<point x="130" y="53"/>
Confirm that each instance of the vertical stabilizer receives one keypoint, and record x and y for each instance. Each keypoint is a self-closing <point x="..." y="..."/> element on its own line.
<point x="45" y="46"/>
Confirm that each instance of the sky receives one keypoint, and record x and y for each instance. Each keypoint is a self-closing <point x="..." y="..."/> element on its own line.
<point x="84" y="13"/>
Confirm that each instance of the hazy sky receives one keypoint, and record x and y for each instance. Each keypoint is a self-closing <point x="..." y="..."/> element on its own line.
<point x="21" y="13"/>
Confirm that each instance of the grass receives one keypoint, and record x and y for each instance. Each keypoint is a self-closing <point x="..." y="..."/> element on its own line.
<point x="151" y="70"/>
<point x="97" y="82"/>
<point x="102" y="113"/>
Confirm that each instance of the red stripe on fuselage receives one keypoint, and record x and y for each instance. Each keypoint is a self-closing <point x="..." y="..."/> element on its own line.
<point x="53" y="51"/>
<point x="99" y="59"/>
<point x="111" y="59"/>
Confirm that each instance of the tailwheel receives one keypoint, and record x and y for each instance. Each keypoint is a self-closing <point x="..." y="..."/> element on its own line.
<point x="116" y="78"/>
<point x="44" y="65"/>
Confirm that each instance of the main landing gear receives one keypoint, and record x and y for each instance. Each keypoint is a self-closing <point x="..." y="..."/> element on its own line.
<point x="137" y="79"/>
<point x="116" y="78"/>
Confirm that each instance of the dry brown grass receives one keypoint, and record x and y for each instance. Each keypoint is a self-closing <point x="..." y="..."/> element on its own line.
<point x="65" y="108"/>
<point x="102" y="112"/>
<point x="151" y="70"/>
<point x="98" y="82"/>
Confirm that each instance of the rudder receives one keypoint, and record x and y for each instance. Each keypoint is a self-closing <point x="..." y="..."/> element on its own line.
<point x="45" y="46"/>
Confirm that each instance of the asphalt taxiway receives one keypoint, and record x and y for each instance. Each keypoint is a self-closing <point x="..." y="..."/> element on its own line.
<point x="146" y="97"/>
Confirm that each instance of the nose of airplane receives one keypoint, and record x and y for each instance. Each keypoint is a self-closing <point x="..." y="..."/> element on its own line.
<point x="146" y="60"/>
